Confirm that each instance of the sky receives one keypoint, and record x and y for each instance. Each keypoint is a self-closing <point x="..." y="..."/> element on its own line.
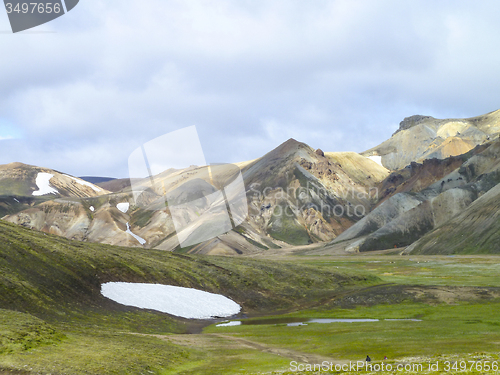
<point x="81" y="93"/>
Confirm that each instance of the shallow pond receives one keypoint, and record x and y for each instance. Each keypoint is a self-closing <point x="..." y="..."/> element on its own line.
<point x="294" y="322"/>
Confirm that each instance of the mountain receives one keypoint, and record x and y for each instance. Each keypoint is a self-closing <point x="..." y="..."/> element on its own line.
<point x="424" y="137"/>
<point x="22" y="180"/>
<point x="476" y="230"/>
<point x="24" y="186"/>
<point x="294" y="196"/>
<point x="322" y="193"/>
<point x="407" y="216"/>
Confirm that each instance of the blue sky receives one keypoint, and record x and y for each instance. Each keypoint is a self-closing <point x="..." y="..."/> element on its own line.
<point x="81" y="93"/>
<point x="9" y="131"/>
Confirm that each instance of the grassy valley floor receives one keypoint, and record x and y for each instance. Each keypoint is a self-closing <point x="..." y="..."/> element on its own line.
<point x="54" y="321"/>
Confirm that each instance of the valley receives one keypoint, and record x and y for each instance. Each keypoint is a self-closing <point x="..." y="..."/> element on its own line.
<point x="73" y="329"/>
<point x="404" y="235"/>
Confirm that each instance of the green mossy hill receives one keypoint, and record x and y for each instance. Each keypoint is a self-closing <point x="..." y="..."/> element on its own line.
<point x="48" y="275"/>
<point x="20" y="332"/>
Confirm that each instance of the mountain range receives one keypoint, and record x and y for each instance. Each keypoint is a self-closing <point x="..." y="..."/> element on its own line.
<point x="433" y="187"/>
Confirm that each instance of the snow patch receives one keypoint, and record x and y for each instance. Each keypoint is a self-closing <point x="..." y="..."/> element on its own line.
<point x="86" y="183"/>
<point x="142" y="241"/>
<point x="123" y="207"/>
<point x="42" y="182"/>
<point x="377" y="159"/>
<point x="184" y="302"/>
<point x="91" y="208"/>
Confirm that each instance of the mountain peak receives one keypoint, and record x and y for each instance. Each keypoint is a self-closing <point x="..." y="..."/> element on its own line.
<point x="291" y="143"/>
<point x="290" y="146"/>
<point x="412" y="121"/>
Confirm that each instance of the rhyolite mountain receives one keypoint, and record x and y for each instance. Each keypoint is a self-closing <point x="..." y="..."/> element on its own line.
<point x="413" y="189"/>
<point x="293" y="179"/>
<point x="423" y="137"/>
<point x="21" y="180"/>
<point x="22" y="187"/>
<point x="406" y="216"/>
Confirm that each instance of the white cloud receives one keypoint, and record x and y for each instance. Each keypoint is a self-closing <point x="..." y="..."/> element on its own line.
<point x="250" y="74"/>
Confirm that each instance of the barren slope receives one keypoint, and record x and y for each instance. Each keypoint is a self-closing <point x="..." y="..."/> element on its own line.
<point x="424" y="137"/>
<point x="406" y="217"/>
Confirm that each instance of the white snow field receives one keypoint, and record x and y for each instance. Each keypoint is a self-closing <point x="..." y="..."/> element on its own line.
<point x="175" y="300"/>
<point x="377" y="159"/>
<point x="86" y="183"/>
<point x="43" y="183"/>
<point x="123" y="207"/>
<point x="142" y="241"/>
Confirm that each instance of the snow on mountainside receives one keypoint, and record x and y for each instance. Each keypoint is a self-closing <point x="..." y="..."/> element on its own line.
<point x="377" y="159"/>
<point x="43" y="183"/>
<point x="85" y="183"/>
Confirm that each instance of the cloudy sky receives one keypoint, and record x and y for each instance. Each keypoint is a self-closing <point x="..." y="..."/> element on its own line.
<point x="79" y="94"/>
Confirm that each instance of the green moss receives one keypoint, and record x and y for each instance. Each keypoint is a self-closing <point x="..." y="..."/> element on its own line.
<point x="239" y="229"/>
<point x="20" y="332"/>
<point x="101" y="352"/>
<point x="445" y="330"/>
<point x="9" y="186"/>
<point x="270" y="243"/>
<point x="283" y="226"/>
<point x="58" y="280"/>
<point x="142" y="217"/>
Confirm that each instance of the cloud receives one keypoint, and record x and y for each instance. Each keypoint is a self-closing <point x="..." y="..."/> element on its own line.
<point x="338" y="75"/>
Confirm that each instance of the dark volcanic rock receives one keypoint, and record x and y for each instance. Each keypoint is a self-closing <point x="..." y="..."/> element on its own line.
<point x="411" y="121"/>
<point x="320" y="152"/>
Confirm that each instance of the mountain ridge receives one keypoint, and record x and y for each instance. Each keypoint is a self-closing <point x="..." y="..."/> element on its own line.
<point x="425" y="137"/>
<point x="329" y="197"/>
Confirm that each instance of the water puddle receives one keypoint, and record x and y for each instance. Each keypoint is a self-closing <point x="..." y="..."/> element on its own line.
<point x="296" y="322"/>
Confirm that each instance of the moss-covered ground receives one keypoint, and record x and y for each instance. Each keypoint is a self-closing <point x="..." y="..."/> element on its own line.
<point x="53" y="319"/>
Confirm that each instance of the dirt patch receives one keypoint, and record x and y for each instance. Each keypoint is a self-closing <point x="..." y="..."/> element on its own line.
<point x="394" y="294"/>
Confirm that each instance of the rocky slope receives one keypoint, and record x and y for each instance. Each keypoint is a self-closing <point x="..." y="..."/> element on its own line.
<point x="407" y="216"/>
<point x="291" y="193"/>
<point x="423" y="137"/>
<point x="295" y="196"/>
<point x="476" y="230"/>
<point x="300" y="195"/>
